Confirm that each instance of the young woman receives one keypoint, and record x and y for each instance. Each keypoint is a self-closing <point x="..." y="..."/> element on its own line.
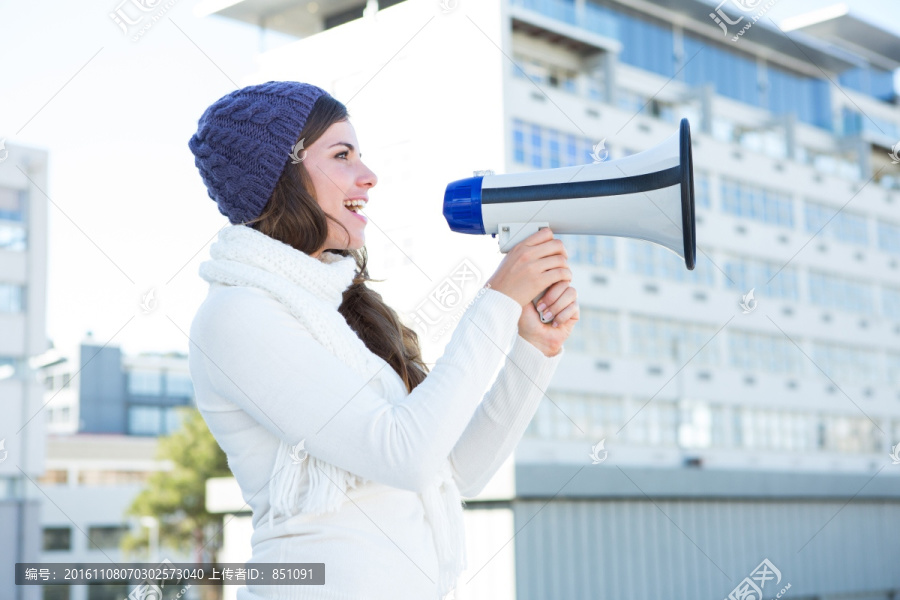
<point x="349" y="450"/>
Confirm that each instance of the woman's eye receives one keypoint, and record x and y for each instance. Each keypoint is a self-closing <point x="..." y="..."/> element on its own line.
<point x="341" y="154"/>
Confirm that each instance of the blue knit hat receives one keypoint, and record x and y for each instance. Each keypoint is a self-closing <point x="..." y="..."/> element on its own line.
<point x="244" y="141"/>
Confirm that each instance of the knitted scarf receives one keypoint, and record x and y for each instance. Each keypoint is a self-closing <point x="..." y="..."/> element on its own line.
<point x="312" y="289"/>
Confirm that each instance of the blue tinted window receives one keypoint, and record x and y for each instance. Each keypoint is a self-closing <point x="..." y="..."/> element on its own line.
<point x="12" y="204"/>
<point x="733" y="75"/>
<point x="745" y="274"/>
<point x="646" y="45"/>
<point x="873" y="82"/>
<point x="836" y="224"/>
<point x="744" y="199"/>
<point x="518" y="141"/>
<point x="536" y="158"/>
<point x="889" y="237"/>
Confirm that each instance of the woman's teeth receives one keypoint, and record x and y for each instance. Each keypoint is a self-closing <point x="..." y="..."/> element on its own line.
<point x="354" y="205"/>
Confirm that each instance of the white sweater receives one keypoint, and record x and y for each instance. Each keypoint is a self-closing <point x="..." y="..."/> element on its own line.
<point x="260" y="377"/>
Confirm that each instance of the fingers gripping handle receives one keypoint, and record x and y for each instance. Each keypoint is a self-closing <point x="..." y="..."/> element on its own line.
<point x="537" y="301"/>
<point x="513" y="233"/>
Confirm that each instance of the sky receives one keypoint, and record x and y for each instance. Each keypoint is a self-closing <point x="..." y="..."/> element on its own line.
<point x="127" y="208"/>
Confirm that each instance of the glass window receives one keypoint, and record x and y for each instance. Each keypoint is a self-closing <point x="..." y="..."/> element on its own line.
<point x="12" y="238"/>
<point x="763" y="352"/>
<point x="518" y="141"/>
<point x="836" y="224"/>
<point x="553" y="142"/>
<point x="179" y="384"/>
<point x="766" y="278"/>
<point x="744" y="199"/>
<point x="144" y="420"/>
<point x="97" y="477"/>
<point x="891" y="302"/>
<point x="652" y="260"/>
<point x="732" y="74"/>
<point x="646" y="45"/>
<point x="701" y="189"/>
<point x="57" y="538"/>
<point x="832" y="291"/>
<point x="847" y="364"/>
<point x="590" y="249"/>
<point x="889" y="237"/>
<point x="574" y="415"/>
<point x="663" y="339"/>
<point x="110" y="591"/>
<point x="105" y="537"/>
<point x="893" y="371"/>
<point x="173" y="418"/>
<point x="56" y="592"/>
<point x="537" y="160"/>
<point x="571" y="151"/>
<point x="12" y="204"/>
<point x="144" y="383"/>
<point x="808" y="98"/>
<point x="12" y="298"/>
<point x="597" y="333"/>
<point x="874" y="82"/>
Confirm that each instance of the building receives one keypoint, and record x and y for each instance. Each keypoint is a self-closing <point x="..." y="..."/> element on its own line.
<point x="104" y="419"/>
<point x="90" y="481"/>
<point x="749" y="408"/>
<point x="23" y="301"/>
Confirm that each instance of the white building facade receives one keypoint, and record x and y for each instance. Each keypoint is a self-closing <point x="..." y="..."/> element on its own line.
<point x="23" y="337"/>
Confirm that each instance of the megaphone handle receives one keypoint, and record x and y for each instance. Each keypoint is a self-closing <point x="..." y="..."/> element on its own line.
<point x="535" y="302"/>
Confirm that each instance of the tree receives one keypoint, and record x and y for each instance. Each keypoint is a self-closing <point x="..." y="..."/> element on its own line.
<point x="177" y="497"/>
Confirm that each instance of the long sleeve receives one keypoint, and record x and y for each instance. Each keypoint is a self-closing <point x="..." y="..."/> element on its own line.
<point x="501" y="419"/>
<point x="248" y="352"/>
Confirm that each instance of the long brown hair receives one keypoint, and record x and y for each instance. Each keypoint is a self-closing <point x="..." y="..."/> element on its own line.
<point x="293" y="216"/>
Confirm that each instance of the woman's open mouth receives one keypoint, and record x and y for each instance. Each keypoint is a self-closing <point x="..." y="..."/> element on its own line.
<point x="355" y="206"/>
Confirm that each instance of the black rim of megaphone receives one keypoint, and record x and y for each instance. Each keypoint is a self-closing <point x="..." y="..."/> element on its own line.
<point x="687" y="196"/>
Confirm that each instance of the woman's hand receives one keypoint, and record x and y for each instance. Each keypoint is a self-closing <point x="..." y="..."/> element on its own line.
<point x="560" y="300"/>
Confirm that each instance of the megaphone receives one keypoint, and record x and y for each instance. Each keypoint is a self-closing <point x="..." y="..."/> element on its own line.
<point x="646" y="196"/>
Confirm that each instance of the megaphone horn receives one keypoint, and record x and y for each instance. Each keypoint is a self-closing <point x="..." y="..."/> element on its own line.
<point x="646" y="196"/>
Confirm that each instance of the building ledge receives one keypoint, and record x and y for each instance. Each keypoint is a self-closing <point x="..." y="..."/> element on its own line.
<point x="609" y="481"/>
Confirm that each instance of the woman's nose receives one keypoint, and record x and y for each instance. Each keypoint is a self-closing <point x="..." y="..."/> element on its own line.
<point x="369" y="176"/>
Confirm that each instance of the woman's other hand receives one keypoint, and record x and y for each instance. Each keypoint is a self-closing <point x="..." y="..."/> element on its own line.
<point x="560" y="301"/>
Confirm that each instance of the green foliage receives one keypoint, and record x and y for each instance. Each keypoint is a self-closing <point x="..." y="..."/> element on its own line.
<point x="177" y="497"/>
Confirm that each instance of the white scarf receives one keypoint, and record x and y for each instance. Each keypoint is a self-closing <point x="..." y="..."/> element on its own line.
<point x="313" y="290"/>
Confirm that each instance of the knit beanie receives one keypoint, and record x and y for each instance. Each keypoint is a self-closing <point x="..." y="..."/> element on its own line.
<point x="244" y="140"/>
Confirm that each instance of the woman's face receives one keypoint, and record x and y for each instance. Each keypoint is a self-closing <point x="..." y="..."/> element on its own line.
<point x="339" y="175"/>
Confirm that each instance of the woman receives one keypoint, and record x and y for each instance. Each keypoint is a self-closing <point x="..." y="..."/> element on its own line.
<point x="348" y="449"/>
